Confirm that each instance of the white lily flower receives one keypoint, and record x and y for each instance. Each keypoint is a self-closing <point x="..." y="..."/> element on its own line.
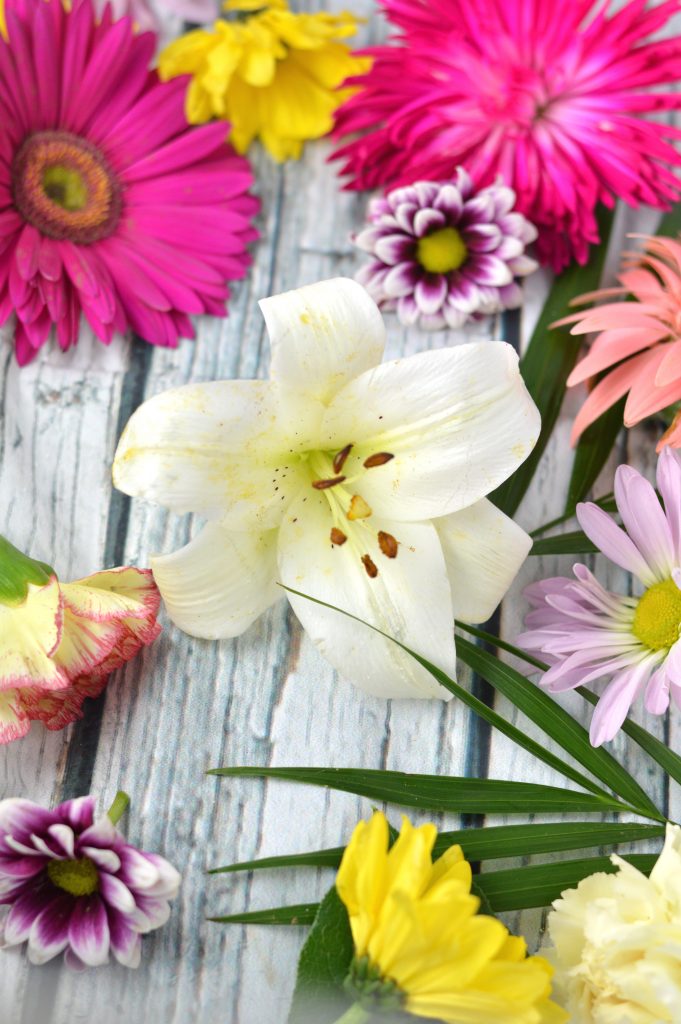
<point x="362" y="484"/>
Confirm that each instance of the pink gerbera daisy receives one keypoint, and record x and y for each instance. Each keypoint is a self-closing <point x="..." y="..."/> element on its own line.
<point x="587" y="633"/>
<point x="110" y="205"/>
<point x="638" y="347"/>
<point x="550" y="96"/>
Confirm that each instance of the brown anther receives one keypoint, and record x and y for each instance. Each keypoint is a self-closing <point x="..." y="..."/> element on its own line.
<point x="379" y="459"/>
<point x="358" y="508"/>
<point x="322" y="485"/>
<point x="387" y="544"/>
<point x="340" y="457"/>
<point x="337" y="537"/>
<point x="368" y="564"/>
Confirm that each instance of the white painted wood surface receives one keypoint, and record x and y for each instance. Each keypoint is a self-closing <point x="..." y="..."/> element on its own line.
<point x="267" y="698"/>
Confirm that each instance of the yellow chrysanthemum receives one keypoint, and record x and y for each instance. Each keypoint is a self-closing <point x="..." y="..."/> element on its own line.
<point x="274" y="74"/>
<point x="420" y="943"/>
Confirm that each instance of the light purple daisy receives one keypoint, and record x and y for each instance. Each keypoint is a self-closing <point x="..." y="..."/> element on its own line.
<point x="73" y="884"/>
<point x="445" y="253"/>
<point x="586" y="633"/>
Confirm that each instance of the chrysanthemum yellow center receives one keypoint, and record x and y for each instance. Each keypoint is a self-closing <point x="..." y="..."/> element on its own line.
<point x="442" y="251"/>
<point x="657" y="619"/>
<point x="77" y="877"/>
<point x="64" y="187"/>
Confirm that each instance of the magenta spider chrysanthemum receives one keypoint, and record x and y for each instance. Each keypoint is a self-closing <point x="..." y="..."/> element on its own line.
<point x="110" y="205"/>
<point x="587" y="633"/>
<point x="549" y="96"/>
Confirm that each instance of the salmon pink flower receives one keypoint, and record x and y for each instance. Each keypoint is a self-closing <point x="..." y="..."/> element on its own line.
<point x="357" y="482"/>
<point x="551" y="97"/>
<point x="638" y="347"/>
<point x="59" y="642"/>
<point x="111" y="206"/>
<point x="73" y="885"/>
<point x="587" y="633"/>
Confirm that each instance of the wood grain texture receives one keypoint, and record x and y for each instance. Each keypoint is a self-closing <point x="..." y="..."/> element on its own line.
<point x="267" y="698"/>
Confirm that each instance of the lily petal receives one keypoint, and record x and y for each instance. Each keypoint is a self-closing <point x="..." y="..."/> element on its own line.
<point x="220" y="583"/>
<point x="458" y="422"/>
<point x="226" y="450"/>
<point x="483" y="550"/>
<point x="323" y="335"/>
<point x="409" y="598"/>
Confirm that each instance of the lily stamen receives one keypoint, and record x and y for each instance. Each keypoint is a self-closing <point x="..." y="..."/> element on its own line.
<point x="359" y="509"/>
<point x="387" y="544"/>
<point x="340" y="457"/>
<point x="322" y="485"/>
<point x="370" y="566"/>
<point x="379" y="459"/>
<point x="337" y="536"/>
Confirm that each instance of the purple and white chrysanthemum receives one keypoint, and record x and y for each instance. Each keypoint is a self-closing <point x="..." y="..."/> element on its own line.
<point x="74" y="885"/>
<point x="586" y="633"/>
<point x="445" y="253"/>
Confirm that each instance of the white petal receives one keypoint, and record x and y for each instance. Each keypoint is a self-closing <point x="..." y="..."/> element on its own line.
<point x="323" y="335"/>
<point x="226" y="450"/>
<point x="220" y="582"/>
<point x="483" y="550"/>
<point x="459" y="421"/>
<point x="409" y="598"/>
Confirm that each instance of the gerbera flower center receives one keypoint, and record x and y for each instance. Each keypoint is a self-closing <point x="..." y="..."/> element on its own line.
<point x="64" y="187"/>
<point x="349" y="510"/>
<point x="657" y="619"/>
<point x="441" y="251"/>
<point x="77" y="877"/>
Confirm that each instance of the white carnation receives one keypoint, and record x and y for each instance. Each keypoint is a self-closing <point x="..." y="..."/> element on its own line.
<point x="617" y="943"/>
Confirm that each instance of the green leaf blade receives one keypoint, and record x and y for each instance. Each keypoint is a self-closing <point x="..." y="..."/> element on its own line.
<point x="493" y="842"/>
<point x="550" y="358"/>
<point x="538" y="885"/>
<point x="557" y="723"/>
<point x="574" y="543"/>
<point x="296" y="914"/>
<point x="439" y="793"/>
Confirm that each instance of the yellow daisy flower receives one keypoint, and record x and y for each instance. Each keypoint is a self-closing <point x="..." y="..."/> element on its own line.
<point x="420" y="944"/>
<point x="274" y="74"/>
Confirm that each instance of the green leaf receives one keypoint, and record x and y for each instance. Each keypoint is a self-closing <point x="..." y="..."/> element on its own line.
<point x="17" y="571"/>
<point x="670" y="225"/>
<point x="557" y="723"/>
<point x="495" y="842"/>
<point x="592" y="453"/>
<point x="438" y="792"/>
<point x="522" y="888"/>
<point x="538" y="885"/>
<point x="518" y="736"/>
<point x="550" y="358"/>
<point x="607" y="502"/>
<point x="323" y="966"/>
<point x="655" y="748"/>
<point x="300" y="913"/>
<point x="575" y="543"/>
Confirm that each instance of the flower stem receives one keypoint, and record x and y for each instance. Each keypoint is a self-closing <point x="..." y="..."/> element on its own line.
<point x="119" y="806"/>
<point x="355" y="1015"/>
